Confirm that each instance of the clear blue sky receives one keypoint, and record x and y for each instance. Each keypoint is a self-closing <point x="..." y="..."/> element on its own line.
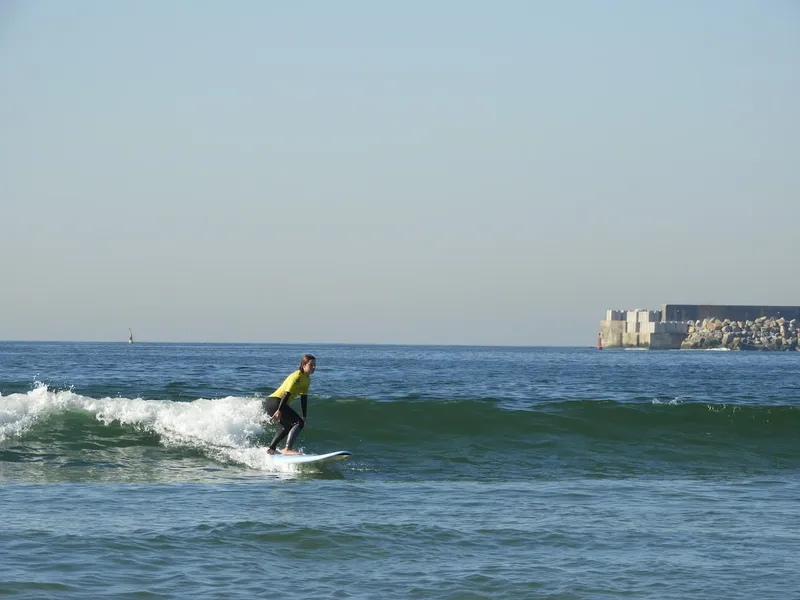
<point x="415" y="172"/>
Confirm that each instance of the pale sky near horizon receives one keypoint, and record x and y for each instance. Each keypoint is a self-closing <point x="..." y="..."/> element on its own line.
<point x="368" y="172"/>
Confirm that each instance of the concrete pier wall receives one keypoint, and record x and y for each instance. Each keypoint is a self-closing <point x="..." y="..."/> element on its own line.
<point x="666" y="341"/>
<point x="611" y="333"/>
<point x="641" y="328"/>
<point x="732" y="312"/>
<point x="669" y="327"/>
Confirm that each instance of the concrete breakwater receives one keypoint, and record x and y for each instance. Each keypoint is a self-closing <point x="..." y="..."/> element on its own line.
<point x="641" y="328"/>
<point x="765" y="333"/>
<point x="703" y="326"/>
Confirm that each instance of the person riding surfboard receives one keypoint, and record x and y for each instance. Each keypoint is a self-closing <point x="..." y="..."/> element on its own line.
<point x="277" y="405"/>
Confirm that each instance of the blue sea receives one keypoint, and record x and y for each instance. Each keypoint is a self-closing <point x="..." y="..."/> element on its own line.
<point x="140" y="471"/>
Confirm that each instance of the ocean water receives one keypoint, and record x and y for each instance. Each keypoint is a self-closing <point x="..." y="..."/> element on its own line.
<point x="139" y="471"/>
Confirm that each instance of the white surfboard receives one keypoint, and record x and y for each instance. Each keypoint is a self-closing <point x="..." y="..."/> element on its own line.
<point x="304" y="459"/>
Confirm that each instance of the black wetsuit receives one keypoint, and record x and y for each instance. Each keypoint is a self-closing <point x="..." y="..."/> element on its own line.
<point x="291" y="421"/>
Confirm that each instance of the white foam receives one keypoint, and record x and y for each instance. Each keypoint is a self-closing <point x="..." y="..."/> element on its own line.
<point x="671" y="402"/>
<point x="257" y="458"/>
<point x="222" y="428"/>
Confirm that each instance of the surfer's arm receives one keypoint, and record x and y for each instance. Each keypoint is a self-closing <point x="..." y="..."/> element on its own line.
<point x="284" y="398"/>
<point x="304" y="405"/>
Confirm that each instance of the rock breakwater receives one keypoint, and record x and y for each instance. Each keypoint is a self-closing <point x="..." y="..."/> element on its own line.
<point x="765" y="333"/>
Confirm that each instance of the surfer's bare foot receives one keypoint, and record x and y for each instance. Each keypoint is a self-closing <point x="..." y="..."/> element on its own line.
<point x="289" y="451"/>
<point x="271" y="451"/>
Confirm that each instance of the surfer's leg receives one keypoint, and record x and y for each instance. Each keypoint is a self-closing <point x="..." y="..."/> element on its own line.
<point x="293" y="428"/>
<point x="279" y="435"/>
<point x="293" y="433"/>
<point x="290" y="421"/>
<point x="270" y="405"/>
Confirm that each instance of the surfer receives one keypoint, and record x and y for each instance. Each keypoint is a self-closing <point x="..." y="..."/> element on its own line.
<point x="277" y="405"/>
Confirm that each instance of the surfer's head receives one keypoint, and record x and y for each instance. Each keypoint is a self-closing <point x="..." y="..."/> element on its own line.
<point x="308" y="364"/>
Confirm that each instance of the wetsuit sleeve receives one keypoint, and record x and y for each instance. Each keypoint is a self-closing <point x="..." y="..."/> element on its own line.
<point x="304" y="405"/>
<point x="283" y="400"/>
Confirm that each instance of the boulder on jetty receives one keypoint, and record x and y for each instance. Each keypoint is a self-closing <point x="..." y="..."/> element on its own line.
<point x="765" y="333"/>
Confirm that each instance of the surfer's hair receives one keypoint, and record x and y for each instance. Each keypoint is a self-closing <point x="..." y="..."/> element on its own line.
<point x="307" y="358"/>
